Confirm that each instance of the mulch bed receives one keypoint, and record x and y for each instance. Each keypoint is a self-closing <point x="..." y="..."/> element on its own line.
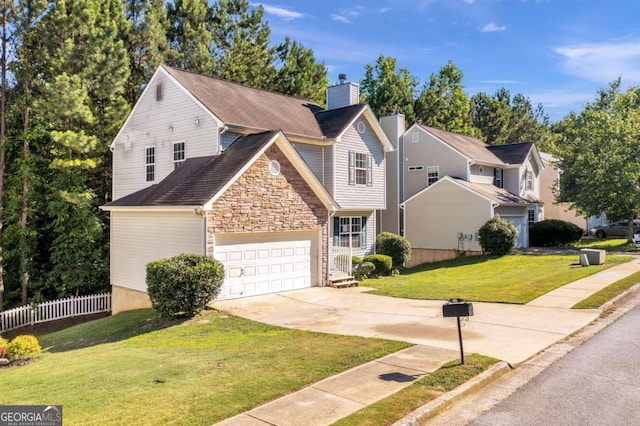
<point x="51" y="326"/>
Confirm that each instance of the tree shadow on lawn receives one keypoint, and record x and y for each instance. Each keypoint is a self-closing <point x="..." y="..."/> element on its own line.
<point x="110" y="329"/>
<point x="453" y="263"/>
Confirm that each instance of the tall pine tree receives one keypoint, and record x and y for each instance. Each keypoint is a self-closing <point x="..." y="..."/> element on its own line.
<point x="189" y="36"/>
<point x="299" y="74"/>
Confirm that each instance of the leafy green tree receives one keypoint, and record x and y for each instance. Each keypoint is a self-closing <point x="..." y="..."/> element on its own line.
<point x="241" y="44"/>
<point x="502" y="119"/>
<point x="299" y="74"/>
<point x="599" y="155"/>
<point x="85" y="68"/>
<point x="146" y="42"/>
<point x="443" y="103"/>
<point x="189" y="36"/>
<point x="388" y="89"/>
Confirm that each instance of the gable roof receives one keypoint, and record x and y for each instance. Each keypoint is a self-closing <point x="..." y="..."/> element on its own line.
<point x="200" y="180"/>
<point x="513" y="153"/>
<point x="333" y="122"/>
<point x="490" y="192"/>
<point x="471" y="148"/>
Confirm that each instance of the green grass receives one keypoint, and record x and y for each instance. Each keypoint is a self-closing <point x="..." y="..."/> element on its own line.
<point x="134" y="368"/>
<point x="608" y="244"/>
<point x="400" y="404"/>
<point x="601" y="297"/>
<point x="517" y="278"/>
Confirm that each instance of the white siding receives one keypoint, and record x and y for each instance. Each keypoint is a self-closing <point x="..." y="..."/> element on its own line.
<point x="428" y="151"/>
<point x="175" y="118"/>
<point x="434" y="218"/>
<point x="371" y="231"/>
<point x="137" y="238"/>
<point x="481" y="174"/>
<point x="360" y="196"/>
<point x="343" y="95"/>
<point x="312" y="155"/>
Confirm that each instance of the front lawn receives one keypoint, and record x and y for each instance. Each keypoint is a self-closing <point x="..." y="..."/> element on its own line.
<point x="608" y="244"/>
<point x="133" y="368"/>
<point x="517" y="278"/>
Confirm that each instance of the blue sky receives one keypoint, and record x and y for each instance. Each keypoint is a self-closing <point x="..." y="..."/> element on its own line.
<point x="555" y="52"/>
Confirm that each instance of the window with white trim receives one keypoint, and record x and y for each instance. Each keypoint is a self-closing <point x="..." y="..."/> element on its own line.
<point x="350" y="231"/>
<point x="433" y="174"/>
<point x="529" y="180"/>
<point x="531" y="216"/>
<point x="178" y="154"/>
<point x="415" y="168"/>
<point x="150" y="163"/>
<point x="497" y="177"/>
<point x="360" y="169"/>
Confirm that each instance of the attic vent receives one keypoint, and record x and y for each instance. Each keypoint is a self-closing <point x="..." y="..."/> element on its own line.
<point x="415" y="137"/>
<point x="159" y="92"/>
<point x="361" y="127"/>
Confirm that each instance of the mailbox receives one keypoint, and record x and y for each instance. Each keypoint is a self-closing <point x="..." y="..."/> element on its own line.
<point x="457" y="308"/>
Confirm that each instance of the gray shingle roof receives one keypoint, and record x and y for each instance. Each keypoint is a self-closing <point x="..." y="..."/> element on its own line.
<point x="198" y="179"/>
<point x="514" y="153"/>
<point x="236" y="104"/>
<point x="468" y="146"/>
<point x="499" y="195"/>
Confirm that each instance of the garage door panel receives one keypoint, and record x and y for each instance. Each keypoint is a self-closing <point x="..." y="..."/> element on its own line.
<point x="254" y="268"/>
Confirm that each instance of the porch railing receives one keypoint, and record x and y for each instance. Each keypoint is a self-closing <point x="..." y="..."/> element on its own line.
<point x="339" y="260"/>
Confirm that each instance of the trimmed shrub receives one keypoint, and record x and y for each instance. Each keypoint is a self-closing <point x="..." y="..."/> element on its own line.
<point x="497" y="236"/>
<point x="363" y="270"/>
<point x="382" y="262"/>
<point x="396" y="246"/>
<point x="355" y="260"/>
<point x="184" y="284"/>
<point x="24" y="346"/>
<point x="553" y="232"/>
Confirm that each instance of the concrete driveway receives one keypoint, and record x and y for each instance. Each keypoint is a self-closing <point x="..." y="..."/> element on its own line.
<point x="512" y="333"/>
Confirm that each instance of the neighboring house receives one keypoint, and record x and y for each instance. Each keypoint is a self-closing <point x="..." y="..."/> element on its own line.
<point x="549" y="179"/>
<point x="275" y="187"/>
<point x="452" y="184"/>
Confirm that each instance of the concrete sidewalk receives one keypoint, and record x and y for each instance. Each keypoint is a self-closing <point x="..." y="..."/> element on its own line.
<point x="513" y="333"/>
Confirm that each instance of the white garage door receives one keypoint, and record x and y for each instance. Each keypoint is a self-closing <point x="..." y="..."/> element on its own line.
<point x="254" y="268"/>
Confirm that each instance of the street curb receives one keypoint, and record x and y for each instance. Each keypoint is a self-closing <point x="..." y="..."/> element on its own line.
<point x="610" y="312"/>
<point x="443" y="402"/>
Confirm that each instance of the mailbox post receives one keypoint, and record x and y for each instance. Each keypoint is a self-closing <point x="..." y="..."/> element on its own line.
<point x="458" y="308"/>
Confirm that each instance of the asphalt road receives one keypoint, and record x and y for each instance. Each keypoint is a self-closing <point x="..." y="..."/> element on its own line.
<point x="598" y="383"/>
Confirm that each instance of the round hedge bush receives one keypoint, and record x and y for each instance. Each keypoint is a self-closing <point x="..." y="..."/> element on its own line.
<point x="23" y="346"/>
<point x="553" y="232"/>
<point x="382" y="262"/>
<point x="396" y="246"/>
<point x="184" y="284"/>
<point x="497" y="236"/>
<point x="363" y="270"/>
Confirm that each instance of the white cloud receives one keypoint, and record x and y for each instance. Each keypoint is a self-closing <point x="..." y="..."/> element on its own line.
<point x="280" y="12"/>
<point x="341" y="18"/>
<point x="491" y="27"/>
<point x="469" y="1"/>
<point x="602" y="62"/>
<point x="384" y="10"/>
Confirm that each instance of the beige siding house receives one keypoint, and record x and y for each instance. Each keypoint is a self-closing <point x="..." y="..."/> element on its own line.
<point x="452" y="184"/>
<point x="275" y="187"/>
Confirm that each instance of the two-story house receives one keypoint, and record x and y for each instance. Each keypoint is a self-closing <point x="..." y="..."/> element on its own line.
<point x="277" y="188"/>
<point x="452" y="184"/>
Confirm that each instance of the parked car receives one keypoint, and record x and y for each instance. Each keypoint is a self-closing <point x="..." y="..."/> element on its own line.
<point x="615" y="229"/>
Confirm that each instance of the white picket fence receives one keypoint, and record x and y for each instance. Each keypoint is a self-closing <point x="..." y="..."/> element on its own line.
<point x="54" y="310"/>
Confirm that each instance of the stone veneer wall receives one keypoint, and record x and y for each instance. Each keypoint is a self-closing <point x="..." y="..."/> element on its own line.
<point x="261" y="202"/>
